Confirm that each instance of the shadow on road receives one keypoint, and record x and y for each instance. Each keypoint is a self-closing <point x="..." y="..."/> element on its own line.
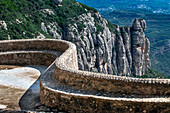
<point x="32" y="96"/>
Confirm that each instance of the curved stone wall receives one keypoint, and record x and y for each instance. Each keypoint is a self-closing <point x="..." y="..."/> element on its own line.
<point x="30" y="52"/>
<point x="66" y="74"/>
<point x="78" y="103"/>
<point x="67" y="88"/>
<point x="33" y="44"/>
<point x="27" y="58"/>
<point x="112" y="84"/>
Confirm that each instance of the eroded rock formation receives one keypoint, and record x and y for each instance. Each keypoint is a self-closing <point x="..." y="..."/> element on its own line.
<point x="107" y="48"/>
<point x="140" y="48"/>
<point x="121" y="53"/>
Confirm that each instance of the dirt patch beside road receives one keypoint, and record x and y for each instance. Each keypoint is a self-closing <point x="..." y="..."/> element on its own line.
<point x="10" y="97"/>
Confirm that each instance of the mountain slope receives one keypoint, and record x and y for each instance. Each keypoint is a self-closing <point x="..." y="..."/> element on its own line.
<point x="102" y="46"/>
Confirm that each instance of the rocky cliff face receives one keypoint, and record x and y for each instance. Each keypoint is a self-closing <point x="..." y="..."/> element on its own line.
<point x="116" y="50"/>
<point x="122" y="53"/>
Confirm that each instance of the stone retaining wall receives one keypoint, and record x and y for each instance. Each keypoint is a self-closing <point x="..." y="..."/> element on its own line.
<point x="94" y="82"/>
<point x="77" y="103"/>
<point x="31" y="44"/>
<point x="68" y="75"/>
<point x="27" y="58"/>
<point x="30" y="52"/>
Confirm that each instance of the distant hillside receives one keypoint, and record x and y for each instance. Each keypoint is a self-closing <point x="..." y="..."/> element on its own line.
<point x="156" y="6"/>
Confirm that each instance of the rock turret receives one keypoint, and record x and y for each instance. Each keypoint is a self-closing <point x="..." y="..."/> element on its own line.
<point x="140" y="48"/>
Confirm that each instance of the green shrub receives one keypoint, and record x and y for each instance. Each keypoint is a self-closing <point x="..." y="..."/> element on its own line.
<point x="112" y="27"/>
<point x="82" y="37"/>
<point x="80" y="26"/>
